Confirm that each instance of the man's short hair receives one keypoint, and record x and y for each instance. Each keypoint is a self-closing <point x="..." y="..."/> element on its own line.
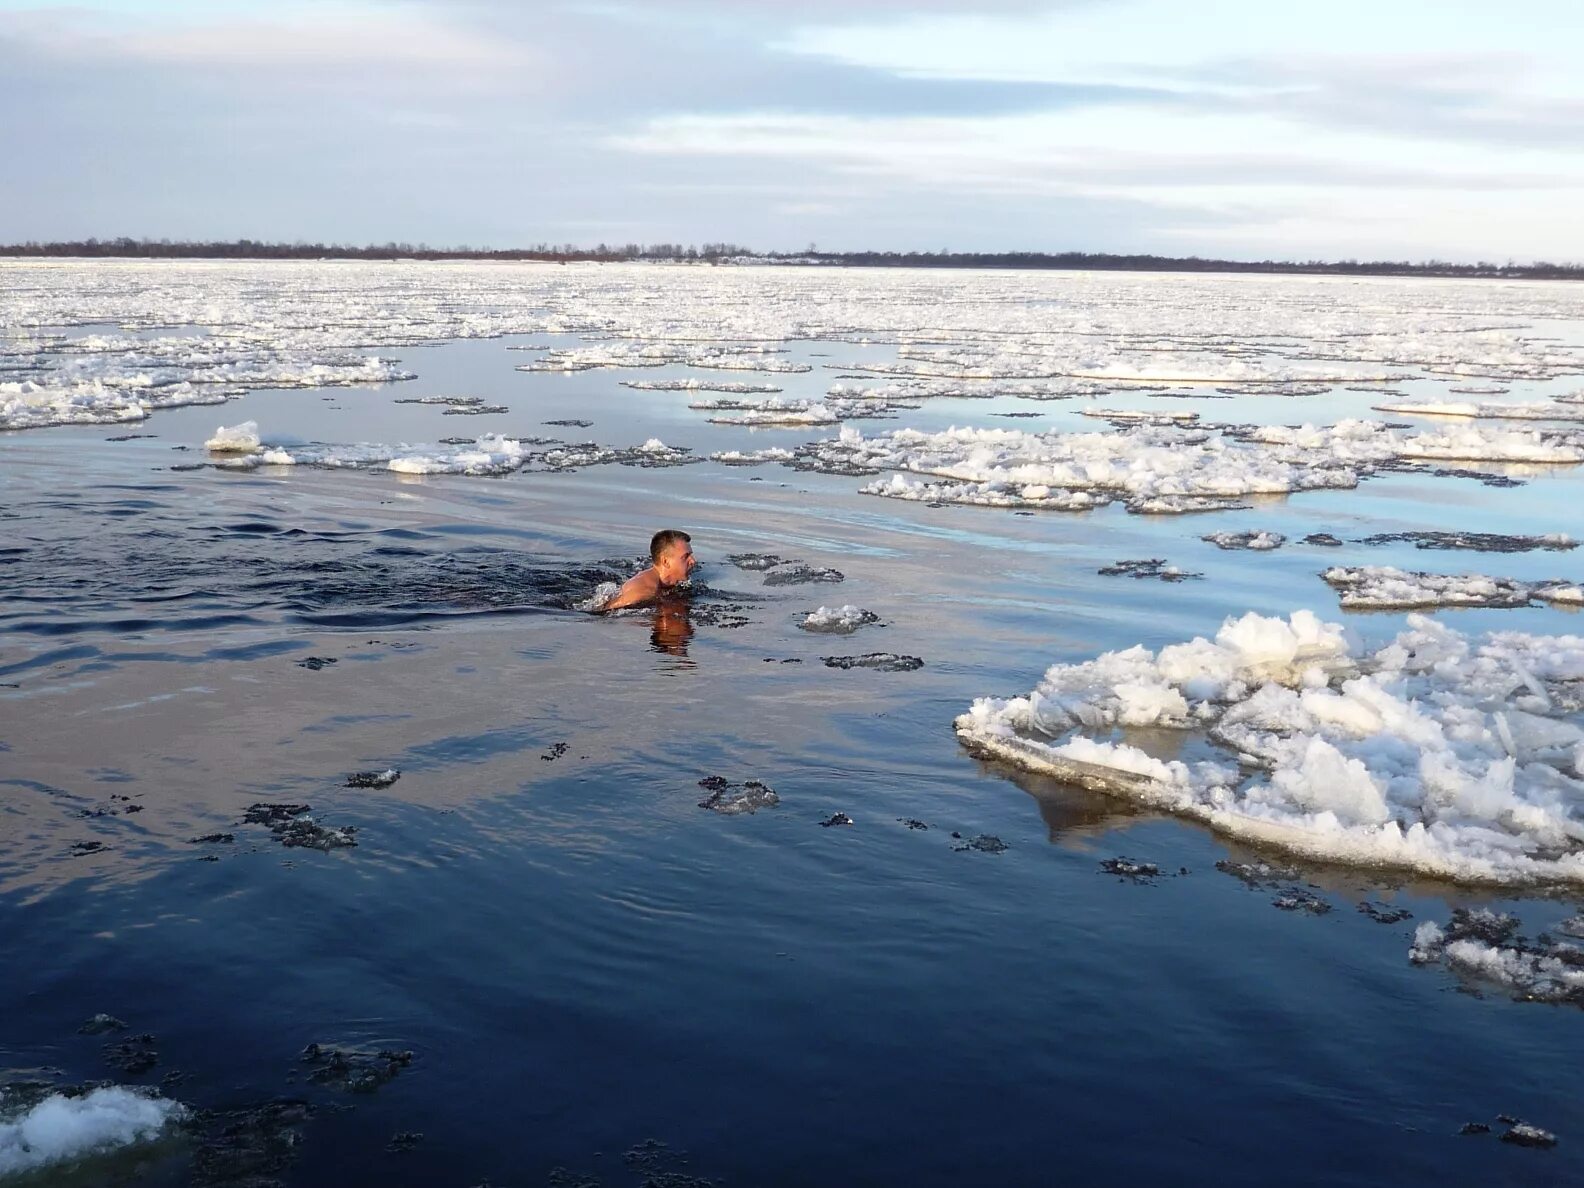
<point x="663" y="540"/>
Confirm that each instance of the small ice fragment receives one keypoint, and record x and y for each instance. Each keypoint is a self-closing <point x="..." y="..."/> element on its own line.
<point x="237" y="439"/>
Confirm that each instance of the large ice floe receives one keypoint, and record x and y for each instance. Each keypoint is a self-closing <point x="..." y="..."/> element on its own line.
<point x="69" y="1127"/>
<point x="1437" y="752"/>
<point x="1160" y="469"/>
<point x="1385" y="587"/>
<point x="239" y="447"/>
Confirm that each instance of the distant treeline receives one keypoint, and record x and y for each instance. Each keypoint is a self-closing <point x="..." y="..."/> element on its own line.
<point x="249" y="249"/>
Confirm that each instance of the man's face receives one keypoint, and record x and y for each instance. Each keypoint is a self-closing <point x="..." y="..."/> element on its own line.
<point x="675" y="563"/>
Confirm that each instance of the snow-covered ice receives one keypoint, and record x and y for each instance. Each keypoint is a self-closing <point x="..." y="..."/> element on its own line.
<point x="64" y="1128"/>
<point x="1386" y="587"/>
<point x="1437" y="752"/>
<point x="838" y="620"/>
<point x="1257" y="540"/>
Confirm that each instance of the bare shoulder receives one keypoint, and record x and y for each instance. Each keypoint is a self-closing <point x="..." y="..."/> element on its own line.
<point x="639" y="588"/>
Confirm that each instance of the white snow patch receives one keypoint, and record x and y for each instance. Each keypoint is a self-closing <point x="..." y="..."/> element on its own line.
<point x="62" y="1128"/>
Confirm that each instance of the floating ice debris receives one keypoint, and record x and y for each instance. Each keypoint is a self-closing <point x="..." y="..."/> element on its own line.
<point x="352" y="1070"/>
<point x="694" y="384"/>
<point x="292" y="827"/>
<point x="798" y="574"/>
<point x="133" y="1056"/>
<point x="755" y="561"/>
<point x="840" y="620"/>
<point x="1297" y="899"/>
<point x="1156" y="469"/>
<point x="238" y="439"/>
<point x="1153" y="567"/>
<point x="879" y="661"/>
<point x="1535" y="410"/>
<point x="246" y="1147"/>
<point x="1255" y="540"/>
<point x="775" y="412"/>
<point x="1474" y="1128"/>
<point x="1485" y="946"/>
<point x="987" y="494"/>
<point x="1480" y="542"/>
<point x="373" y="779"/>
<point x="984" y="843"/>
<point x="732" y="799"/>
<point x="967" y="389"/>
<point x="836" y="819"/>
<point x="752" y="457"/>
<point x="1458" y="757"/>
<point x="1386" y="587"/>
<point x="1323" y="539"/>
<point x="69" y="1126"/>
<point x="1524" y="1135"/>
<point x="1383" y="914"/>
<point x="571" y="423"/>
<point x="1126" y="416"/>
<point x="1126" y="868"/>
<point x="100" y="1024"/>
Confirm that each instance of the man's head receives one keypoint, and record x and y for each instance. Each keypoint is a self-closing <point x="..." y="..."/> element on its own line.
<point x="671" y="554"/>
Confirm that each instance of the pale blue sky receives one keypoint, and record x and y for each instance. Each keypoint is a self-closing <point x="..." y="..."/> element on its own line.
<point x="1397" y="128"/>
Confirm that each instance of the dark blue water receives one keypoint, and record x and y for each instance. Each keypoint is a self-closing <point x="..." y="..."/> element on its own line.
<point x="580" y="958"/>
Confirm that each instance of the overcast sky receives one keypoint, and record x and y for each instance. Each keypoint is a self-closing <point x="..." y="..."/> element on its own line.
<point x="1244" y="128"/>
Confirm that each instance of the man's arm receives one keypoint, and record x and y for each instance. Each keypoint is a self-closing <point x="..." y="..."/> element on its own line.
<point x="639" y="588"/>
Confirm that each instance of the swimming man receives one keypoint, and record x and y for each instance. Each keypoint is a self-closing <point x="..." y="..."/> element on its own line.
<point x="671" y="560"/>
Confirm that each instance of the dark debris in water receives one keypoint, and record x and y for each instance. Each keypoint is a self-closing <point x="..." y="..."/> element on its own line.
<point x="315" y="663"/>
<point x="82" y="848"/>
<point x="1479" y="542"/>
<point x="1324" y="539"/>
<point x="836" y="819"/>
<point x="799" y="574"/>
<point x="555" y="752"/>
<point x="879" y="661"/>
<point x="132" y="1056"/>
<point x="912" y="822"/>
<point x="570" y="423"/>
<point x="404" y="1140"/>
<point x="1127" y="868"/>
<point x="725" y="797"/>
<point x="100" y="1024"/>
<point x="249" y="1147"/>
<point x="373" y="779"/>
<point x="292" y="827"/>
<point x="1152" y="567"/>
<point x="352" y="1071"/>
<point x="1383" y="913"/>
<point x="1297" y="899"/>
<point x="1474" y="1128"/>
<point x="984" y="843"/>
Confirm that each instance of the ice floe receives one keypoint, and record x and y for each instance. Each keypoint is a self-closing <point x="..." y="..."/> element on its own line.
<point x="1534" y="410"/>
<point x="70" y="1127"/>
<point x="752" y="457"/>
<point x="1159" y="469"/>
<point x="1258" y="541"/>
<point x="1385" y="587"/>
<point x="838" y="620"/>
<point x="488" y="454"/>
<point x="1455" y="756"/>
<point x="1485" y="946"/>
<point x="237" y="439"/>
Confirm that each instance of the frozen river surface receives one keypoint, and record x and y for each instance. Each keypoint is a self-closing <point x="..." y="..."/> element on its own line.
<point x="1124" y="727"/>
